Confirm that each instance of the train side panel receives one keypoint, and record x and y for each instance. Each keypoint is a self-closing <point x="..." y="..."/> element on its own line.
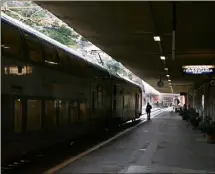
<point x="50" y="95"/>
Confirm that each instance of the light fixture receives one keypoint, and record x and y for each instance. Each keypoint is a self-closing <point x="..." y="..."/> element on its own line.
<point x="170" y="84"/>
<point x="169" y="80"/>
<point x="167" y="75"/>
<point x="162" y="57"/>
<point x="166" y="69"/>
<point x="157" y="38"/>
<point x="50" y="62"/>
<point x="5" y="47"/>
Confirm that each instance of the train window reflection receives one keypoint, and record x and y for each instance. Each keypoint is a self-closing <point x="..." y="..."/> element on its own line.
<point x="33" y="45"/>
<point x="94" y="101"/>
<point x="73" y="112"/>
<point x="18" y="70"/>
<point x="63" y="112"/>
<point x="82" y="111"/>
<point x="64" y="62"/>
<point x="50" y="54"/>
<point x="33" y="115"/>
<point x="11" y="40"/>
<point x="50" y="113"/>
<point x="17" y="116"/>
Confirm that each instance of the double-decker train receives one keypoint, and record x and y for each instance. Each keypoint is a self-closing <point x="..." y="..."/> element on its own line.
<point x="51" y="94"/>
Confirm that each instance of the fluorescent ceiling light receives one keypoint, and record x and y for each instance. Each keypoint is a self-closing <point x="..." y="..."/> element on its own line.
<point x="198" y="66"/>
<point x="5" y="47"/>
<point x="166" y="69"/>
<point x="162" y="57"/>
<point x="169" y="80"/>
<point x="167" y="75"/>
<point x="157" y="38"/>
<point x="50" y="62"/>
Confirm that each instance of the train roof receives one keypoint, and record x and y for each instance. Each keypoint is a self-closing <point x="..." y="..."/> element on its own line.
<point x="31" y="30"/>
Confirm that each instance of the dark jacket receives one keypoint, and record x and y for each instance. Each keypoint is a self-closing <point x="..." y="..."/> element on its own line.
<point x="148" y="108"/>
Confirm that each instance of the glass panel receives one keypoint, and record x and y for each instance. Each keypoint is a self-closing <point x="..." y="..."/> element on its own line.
<point x="50" y="54"/>
<point x="50" y="113"/>
<point x="63" y="112"/>
<point x="100" y="95"/>
<point x="82" y="112"/>
<point x="18" y="116"/>
<point x="33" y="115"/>
<point x="64" y="62"/>
<point x="94" y="101"/>
<point x="73" y="112"/>
<point x="126" y="102"/>
<point x="33" y="45"/>
<point x="11" y="40"/>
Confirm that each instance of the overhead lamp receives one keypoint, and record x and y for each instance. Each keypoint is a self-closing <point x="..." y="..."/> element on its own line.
<point x="5" y="47"/>
<point x="50" y="62"/>
<point x="166" y="69"/>
<point x="157" y="38"/>
<point x="170" y="84"/>
<point x="169" y="80"/>
<point x="162" y="57"/>
<point x="167" y="75"/>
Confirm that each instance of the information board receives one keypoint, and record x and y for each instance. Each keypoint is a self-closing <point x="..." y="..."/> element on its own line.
<point x="199" y="69"/>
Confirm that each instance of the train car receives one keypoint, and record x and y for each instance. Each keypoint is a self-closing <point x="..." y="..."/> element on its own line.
<point x="52" y="94"/>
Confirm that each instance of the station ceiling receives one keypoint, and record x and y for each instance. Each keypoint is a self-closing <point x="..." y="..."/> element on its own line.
<point x="125" y="31"/>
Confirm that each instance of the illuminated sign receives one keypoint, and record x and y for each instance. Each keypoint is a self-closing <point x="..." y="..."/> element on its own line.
<point x="18" y="70"/>
<point x="199" y="69"/>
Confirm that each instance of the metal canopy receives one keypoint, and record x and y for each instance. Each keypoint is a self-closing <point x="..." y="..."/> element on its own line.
<point x="125" y="31"/>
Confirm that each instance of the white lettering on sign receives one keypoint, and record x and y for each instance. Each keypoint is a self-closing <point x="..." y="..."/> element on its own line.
<point x="198" y="69"/>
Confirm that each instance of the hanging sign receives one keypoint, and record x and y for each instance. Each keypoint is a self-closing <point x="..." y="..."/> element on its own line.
<point x="198" y="69"/>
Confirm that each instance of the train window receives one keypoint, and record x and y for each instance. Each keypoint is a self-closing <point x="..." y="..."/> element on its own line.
<point x="11" y="40"/>
<point x="114" y="104"/>
<point x="33" y="115"/>
<point x="73" y="112"/>
<point x="114" y="97"/>
<point x="100" y="96"/>
<point x="50" y="54"/>
<point x="34" y="50"/>
<point x="17" y="116"/>
<point x="123" y="102"/>
<point x="82" y="111"/>
<point x="94" y="101"/>
<point x="126" y="102"/>
<point x="63" y="112"/>
<point x="50" y="113"/>
<point x="64" y="62"/>
<point x="114" y="90"/>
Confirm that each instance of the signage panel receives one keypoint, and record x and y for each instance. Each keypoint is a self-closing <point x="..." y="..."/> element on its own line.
<point x="198" y="69"/>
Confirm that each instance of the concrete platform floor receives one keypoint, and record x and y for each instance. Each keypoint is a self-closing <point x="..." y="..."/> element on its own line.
<point x="163" y="145"/>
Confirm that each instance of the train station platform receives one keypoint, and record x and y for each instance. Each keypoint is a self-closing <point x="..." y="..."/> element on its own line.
<point x="165" y="145"/>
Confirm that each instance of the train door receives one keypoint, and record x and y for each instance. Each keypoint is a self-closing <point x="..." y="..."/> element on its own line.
<point x="114" y="99"/>
<point x="136" y="104"/>
<point x="121" y="102"/>
<point x="118" y="101"/>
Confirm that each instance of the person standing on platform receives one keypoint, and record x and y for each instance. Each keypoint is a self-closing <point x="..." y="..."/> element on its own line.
<point x="148" y="110"/>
